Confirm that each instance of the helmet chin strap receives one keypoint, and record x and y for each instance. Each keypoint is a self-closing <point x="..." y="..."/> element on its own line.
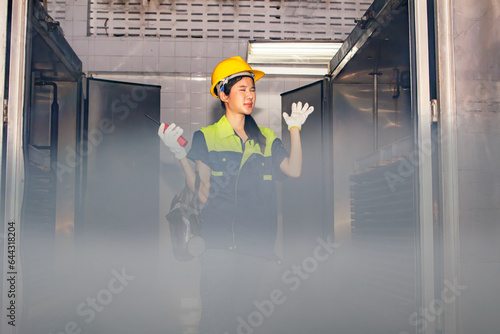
<point x="220" y="86"/>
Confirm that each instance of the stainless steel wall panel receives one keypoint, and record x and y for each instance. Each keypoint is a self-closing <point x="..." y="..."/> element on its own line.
<point x="477" y="81"/>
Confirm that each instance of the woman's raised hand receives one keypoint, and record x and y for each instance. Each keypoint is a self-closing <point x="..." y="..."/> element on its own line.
<point x="299" y="114"/>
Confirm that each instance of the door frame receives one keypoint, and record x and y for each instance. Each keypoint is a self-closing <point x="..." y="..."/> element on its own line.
<point x="448" y="157"/>
<point x="14" y="167"/>
<point x="419" y="62"/>
<point x="4" y="7"/>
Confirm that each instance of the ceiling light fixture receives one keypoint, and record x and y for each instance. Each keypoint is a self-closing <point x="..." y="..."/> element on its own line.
<point x="292" y="57"/>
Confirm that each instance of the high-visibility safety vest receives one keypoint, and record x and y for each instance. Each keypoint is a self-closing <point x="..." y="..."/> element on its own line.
<point x="241" y="211"/>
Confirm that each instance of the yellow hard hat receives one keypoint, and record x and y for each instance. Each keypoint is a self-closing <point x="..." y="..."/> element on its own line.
<point x="230" y="68"/>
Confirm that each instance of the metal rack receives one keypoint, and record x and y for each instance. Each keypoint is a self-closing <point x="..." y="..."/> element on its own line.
<point x="383" y="223"/>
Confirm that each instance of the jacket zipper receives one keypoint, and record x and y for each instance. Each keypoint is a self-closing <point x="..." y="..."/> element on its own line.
<point x="236" y="206"/>
<point x="236" y="196"/>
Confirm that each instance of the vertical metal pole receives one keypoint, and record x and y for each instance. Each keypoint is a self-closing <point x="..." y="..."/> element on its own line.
<point x="54" y="126"/>
<point x="78" y="170"/>
<point x="421" y="95"/>
<point x="3" y="59"/>
<point x="14" y="170"/>
<point x="375" y="109"/>
<point x="448" y="153"/>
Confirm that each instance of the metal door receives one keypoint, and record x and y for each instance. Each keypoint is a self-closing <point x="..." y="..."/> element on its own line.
<point x="382" y="159"/>
<point x="306" y="210"/>
<point x="119" y="218"/>
<point x="307" y="214"/>
<point x="121" y="164"/>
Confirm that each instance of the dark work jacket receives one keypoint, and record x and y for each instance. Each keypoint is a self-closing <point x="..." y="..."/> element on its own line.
<point x="241" y="211"/>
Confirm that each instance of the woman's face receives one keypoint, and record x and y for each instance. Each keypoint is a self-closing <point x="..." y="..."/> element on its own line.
<point x="241" y="98"/>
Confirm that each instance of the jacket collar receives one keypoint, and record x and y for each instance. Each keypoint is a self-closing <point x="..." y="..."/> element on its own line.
<point x="224" y="127"/>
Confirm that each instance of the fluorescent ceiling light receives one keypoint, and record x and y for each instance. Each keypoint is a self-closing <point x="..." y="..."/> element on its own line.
<point x="284" y="52"/>
<point x="294" y="70"/>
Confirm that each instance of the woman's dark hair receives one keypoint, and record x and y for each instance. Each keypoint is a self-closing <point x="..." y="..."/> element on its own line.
<point x="251" y="127"/>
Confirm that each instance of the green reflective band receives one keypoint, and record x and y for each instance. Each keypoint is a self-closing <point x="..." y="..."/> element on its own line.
<point x="268" y="177"/>
<point x="216" y="173"/>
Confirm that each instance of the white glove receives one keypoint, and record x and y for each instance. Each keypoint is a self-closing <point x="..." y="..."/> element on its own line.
<point x="299" y="114"/>
<point x="169" y="138"/>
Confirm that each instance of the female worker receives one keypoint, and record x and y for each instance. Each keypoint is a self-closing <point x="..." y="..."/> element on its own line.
<point x="238" y="164"/>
